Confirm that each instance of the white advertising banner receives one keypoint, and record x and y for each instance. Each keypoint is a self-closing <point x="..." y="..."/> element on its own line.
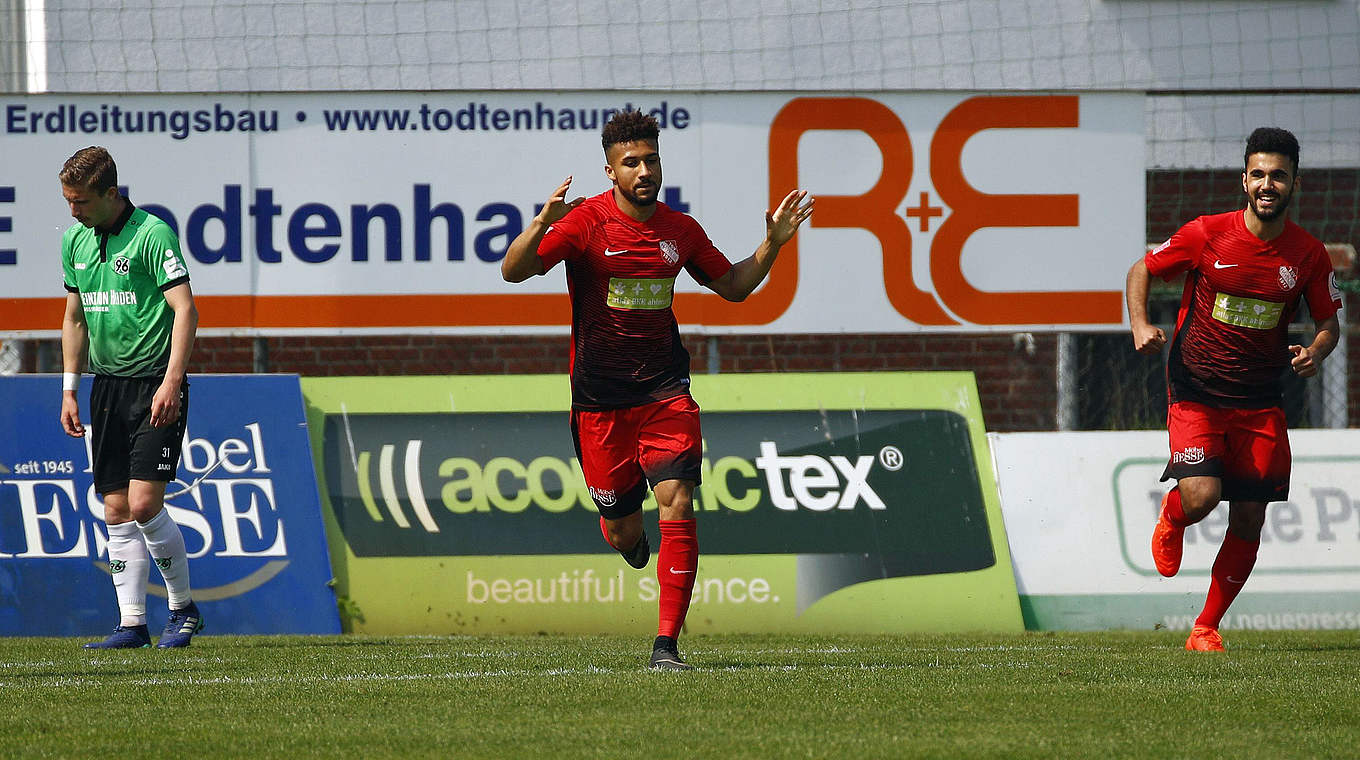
<point x="390" y="212"/>
<point x="1080" y="508"/>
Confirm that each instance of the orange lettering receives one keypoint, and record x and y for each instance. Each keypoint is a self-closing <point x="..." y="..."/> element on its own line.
<point x="971" y="211"/>
<point x="875" y="210"/>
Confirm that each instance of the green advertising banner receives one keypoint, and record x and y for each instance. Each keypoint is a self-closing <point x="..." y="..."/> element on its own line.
<point x="829" y="503"/>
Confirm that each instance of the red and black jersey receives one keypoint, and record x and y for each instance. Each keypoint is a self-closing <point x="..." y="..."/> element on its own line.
<point x="625" y="348"/>
<point x="1232" y="330"/>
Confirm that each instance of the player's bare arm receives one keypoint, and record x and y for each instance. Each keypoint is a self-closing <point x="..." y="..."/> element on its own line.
<point x="521" y="259"/>
<point x="780" y="227"/>
<point x="1147" y="337"/>
<point x="166" y="402"/>
<point x="75" y="341"/>
<point x="1308" y="359"/>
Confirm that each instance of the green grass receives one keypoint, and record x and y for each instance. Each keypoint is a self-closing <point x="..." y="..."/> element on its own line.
<point x="1107" y="695"/>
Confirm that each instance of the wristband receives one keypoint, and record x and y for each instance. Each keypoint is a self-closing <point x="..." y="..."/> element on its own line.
<point x="70" y="381"/>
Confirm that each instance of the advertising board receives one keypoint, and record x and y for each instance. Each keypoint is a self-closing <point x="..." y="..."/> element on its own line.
<point x="383" y="212"/>
<point x="1080" y="508"/>
<point x="831" y="502"/>
<point x="244" y="497"/>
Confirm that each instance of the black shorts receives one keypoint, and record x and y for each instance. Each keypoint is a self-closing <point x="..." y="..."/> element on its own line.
<point x="125" y="445"/>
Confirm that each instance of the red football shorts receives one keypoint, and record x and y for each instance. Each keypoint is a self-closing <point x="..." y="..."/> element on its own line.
<point x="1247" y="448"/>
<point x="622" y="451"/>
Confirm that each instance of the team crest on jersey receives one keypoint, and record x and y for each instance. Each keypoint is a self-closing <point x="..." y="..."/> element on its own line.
<point x="1289" y="277"/>
<point x="670" y="252"/>
<point x="121" y="265"/>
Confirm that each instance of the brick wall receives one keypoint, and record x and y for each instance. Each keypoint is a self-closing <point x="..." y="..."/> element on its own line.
<point x="1326" y="203"/>
<point x="1017" y="388"/>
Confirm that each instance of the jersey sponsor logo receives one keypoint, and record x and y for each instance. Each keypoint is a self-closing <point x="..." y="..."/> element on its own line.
<point x="1247" y="312"/>
<point x="1289" y="277"/>
<point x="80" y="265"/>
<point x="1161" y="248"/>
<point x="121" y="265"/>
<point x="670" y="251"/>
<point x="101" y="300"/>
<point x="608" y="252"/>
<point x="641" y="293"/>
<point x="1332" y="289"/>
<point x="1220" y="265"/>
<point x="1188" y="455"/>
<point x="173" y="267"/>
<point x="605" y="497"/>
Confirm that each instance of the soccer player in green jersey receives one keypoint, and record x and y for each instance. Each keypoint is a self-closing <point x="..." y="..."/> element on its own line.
<point x="130" y="311"/>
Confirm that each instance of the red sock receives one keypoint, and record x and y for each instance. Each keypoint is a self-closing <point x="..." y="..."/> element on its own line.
<point x="1174" y="512"/>
<point x="676" y="566"/>
<point x="604" y="531"/>
<point x="1235" y="560"/>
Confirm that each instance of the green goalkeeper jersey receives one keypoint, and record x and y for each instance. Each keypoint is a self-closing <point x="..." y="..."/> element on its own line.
<point x="121" y="276"/>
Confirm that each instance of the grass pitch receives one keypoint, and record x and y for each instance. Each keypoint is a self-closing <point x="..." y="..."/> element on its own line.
<point x="1106" y="695"/>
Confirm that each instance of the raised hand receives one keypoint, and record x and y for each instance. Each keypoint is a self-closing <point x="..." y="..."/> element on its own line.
<point x="557" y="205"/>
<point x="792" y="212"/>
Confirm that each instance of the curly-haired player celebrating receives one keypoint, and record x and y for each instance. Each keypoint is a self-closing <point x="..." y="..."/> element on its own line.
<point x="633" y="420"/>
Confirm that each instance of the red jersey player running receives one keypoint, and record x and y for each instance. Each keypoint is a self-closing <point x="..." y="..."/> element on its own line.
<point x="633" y="420"/>
<point x="1245" y="273"/>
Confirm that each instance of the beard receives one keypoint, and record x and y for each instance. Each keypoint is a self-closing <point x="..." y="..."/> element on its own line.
<point x="634" y="199"/>
<point x="1281" y="205"/>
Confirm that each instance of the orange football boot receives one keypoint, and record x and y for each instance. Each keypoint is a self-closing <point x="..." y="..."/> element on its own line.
<point x="1167" y="543"/>
<point x="1204" y="639"/>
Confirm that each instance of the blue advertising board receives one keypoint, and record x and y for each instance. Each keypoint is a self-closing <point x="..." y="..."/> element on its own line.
<point x="245" y="497"/>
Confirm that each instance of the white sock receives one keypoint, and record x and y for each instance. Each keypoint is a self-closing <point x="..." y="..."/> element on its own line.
<point x="129" y="566"/>
<point x="166" y="543"/>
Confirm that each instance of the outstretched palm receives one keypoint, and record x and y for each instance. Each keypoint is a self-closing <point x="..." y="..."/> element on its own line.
<point x="792" y="212"/>
<point x="558" y="206"/>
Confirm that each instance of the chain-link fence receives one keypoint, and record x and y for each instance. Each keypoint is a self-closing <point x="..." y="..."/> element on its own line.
<point x="1116" y="388"/>
<point x="11" y="357"/>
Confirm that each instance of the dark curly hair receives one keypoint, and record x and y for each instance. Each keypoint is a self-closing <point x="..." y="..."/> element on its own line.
<point x="629" y="126"/>
<point x="1272" y="140"/>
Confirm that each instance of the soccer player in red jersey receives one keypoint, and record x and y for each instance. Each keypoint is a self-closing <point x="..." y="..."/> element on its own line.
<point x="633" y="420"/>
<point x="1245" y="274"/>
